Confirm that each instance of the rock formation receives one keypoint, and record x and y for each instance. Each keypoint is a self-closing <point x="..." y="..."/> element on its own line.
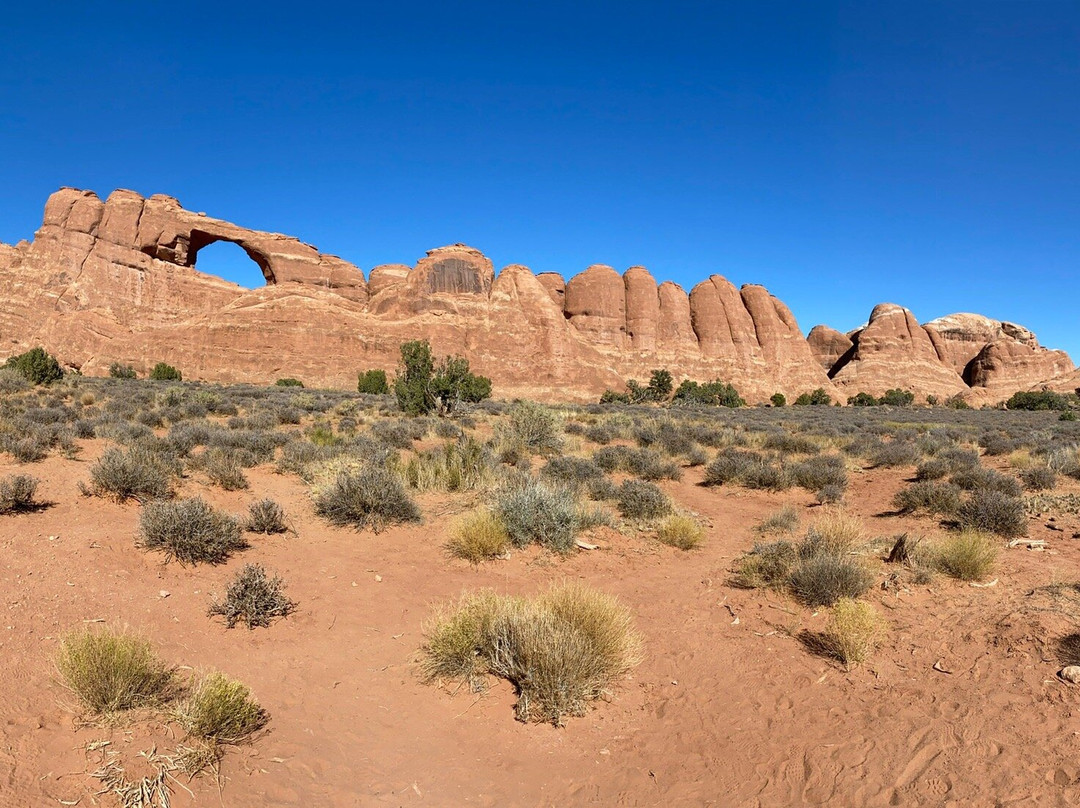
<point x="118" y="281"/>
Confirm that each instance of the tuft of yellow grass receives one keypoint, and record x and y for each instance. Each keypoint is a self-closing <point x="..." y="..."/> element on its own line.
<point x="967" y="555"/>
<point x="478" y="536"/>
<point x="854" y="630"/>
<point x="683" y="532"/>
<point x="835" y="531"/>
<point x="221" y="710"/>
<point x="112" y="670"/>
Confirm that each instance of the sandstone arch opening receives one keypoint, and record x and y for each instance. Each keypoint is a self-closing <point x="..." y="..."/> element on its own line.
<point x="229" y="260"/>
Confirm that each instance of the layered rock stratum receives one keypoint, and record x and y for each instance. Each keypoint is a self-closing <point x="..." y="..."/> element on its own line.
<point x="117" y="281"/>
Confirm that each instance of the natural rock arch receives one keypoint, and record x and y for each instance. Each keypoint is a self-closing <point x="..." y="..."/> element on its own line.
<point x="200" y="239"/>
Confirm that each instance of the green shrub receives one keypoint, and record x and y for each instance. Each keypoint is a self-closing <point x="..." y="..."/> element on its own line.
<point x="224" y="470"/>
<point x="992" y="511"/>
<point x="714" y="394"/>
<point x="222" y="710"/>
<point x="642" y="500"/>
<point x="533" y="426"/>
<point x="290" y="382"/>
<point x="266" y="516"/>
<point x="372" y="496"/>
<point x="560" y="650"/>
<point x="898" y="398"/>
<point x="373" y="382"/>
<point x="817" y="398"/>
<point x="163" y="372"/>
<point x="862" y="400"/>
<point x="1040" y="400"/>
<point x="454" y="382"/>
<point x="111" y="671"/>
<point x="190" y="531"/>
<point x="536" y="513"/>
<point x="463" y="465"/>
<point x="118" y="371"/>
<point x="253" y="598"/>
<point x="17" y="493"/>
<point x="36" y="366"/>
<point x="778" y="400"/>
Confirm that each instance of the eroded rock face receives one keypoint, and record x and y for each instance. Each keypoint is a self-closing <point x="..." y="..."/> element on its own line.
<point x="118" y="281"/>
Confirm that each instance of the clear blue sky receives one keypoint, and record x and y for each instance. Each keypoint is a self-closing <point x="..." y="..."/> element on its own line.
<point x="926" y="154"/>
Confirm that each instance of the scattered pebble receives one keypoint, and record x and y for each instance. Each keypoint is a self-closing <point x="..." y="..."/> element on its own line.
<point x="164" y="593"/>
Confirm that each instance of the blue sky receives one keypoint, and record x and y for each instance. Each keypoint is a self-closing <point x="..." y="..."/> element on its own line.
<point x="841" y="154"/>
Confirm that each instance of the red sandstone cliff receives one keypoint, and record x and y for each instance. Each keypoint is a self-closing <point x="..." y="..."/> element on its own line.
<point x="116" y="281"/>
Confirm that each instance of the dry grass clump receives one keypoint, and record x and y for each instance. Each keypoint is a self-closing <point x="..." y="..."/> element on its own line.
<point x="993" y="511"/>
<point x="254" y="598"/>
<point x="537" y="513"/>
<point x="478" y="536"/>
<point x="854" y="630"/>
<point x="135" y="473"/>
<point x="112" y="670"/>
<point x="460" y="466"/>
<point x="266" y="516"/>
<point x="224" y="470"/>
<point x="835" y="531"/>
<point x="1068" y="649"/>
<point x="560" y="650"/>
<point x="967" y="555"/>
<point x="767" y="565"/>
<point x="190" y="531"/>
<point x="17" y="493"/>
<point x="370" y="496"/>
<point x="222" y="711"/>
<point x="683" y="532"/>
<point x="533" y="427"/>
<point x="783" y="521"/>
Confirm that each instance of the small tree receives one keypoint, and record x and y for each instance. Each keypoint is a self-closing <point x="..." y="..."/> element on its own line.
<point x="36" y="366"/>
<point x="290" y="382"/>
<point x="163" y="372"/>
<point x="660" y="385"/>
<point x="778" y="400"/>
<point x="118" y="371"/>
<point x="419" y="387"/>
<point x="453" y="382"/>
<point x="862" y="400"/>
<point x="898" y="398"/>
<point x="373" y="382"/>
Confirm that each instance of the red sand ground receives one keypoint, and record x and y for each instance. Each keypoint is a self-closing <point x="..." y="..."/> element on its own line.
<point x="727" y="709"/>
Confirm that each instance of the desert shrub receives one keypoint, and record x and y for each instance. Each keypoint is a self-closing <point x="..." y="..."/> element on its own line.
<point x="898" y="398"/>
<point x="935" y="468"/>
<point x="36" y="366"/>
<point x="730" y="466"/>
<point x="831" y="494"/>
<point x="710" y="394"/>
<point x="463" y="465"/>
<point x="767" y="565"/>
<point x="560" y="650"/>
<point x="642" y="500"/>
<point x="534" y="427"/>
<point x="967" y="555"/>
<point x="371" y="496"/>
<point x="574" y="472"/>
<point x="1037" y="400"/>
<point x="1038" y="478"/>
<point x="978" y="478"/>
<point x="815" y="473"/>
<point x="853" y="631"/>
<point x="11" y="381"/>
<point x="822" y="579"/>
<point x="778" y="400"/>
<point x="111" y="671"/>
<point x="478" y="536"/>
<point x="602" y="433"/>
<point x="896" y="453"/>
<point x="132" y="473"/>
<point x="683" y="532"/>
<point x="933" y="497"/>
<point x="190" y="531"/>
<point x="782" y="521"/>
<point x="862" y="400"/>
<point x="289" y="382"/>
<point x="224" y="470"/>
<point x="253" y="598"/>
<point x="17" y="493"/>
<point x="164" y="372"/>
<point x="534" y="512"/>
<point x="30" y="449"/>
<point x="766" y="476"/>
<point x="453" y="382"/>
<point x="650" y="465"/>
<point x="265" y="516"/>
<point x="221" y="710"/>
<point x="601" y="488"/>
<point x="818" y="398"/>
<point x="992" y="511"/>
<point x="396" y="433"/>
<point x="786" y="443"/>
<point x="119" y="371"/>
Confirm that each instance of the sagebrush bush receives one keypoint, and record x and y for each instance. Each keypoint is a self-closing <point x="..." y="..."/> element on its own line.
<point x="977" y="478"/>
<point x="767" y="564"/>
<point x="784" y="520"/>
<point x="560" y="650"/>
<point x="113" y="670"/>
<point x="371" y="496"/>
<point x="928" y="496"/>
<point x="190" y="531"/>
<point x="1038" y="478"/>
<point x="818" y="472"/>
<point x="853" y="631"/>
<point x="533" y="426"/>
<point x="896" y="454"/>
<point x="682" y="532"/>
<point x="132" y="473"/>
<point x="163" y="372"/>
<point x="642" y="500"/>
<point x="822" y="579"/>
<point x="992" y="511"/>
<point x="17" y="493"/>
<point x="967" y="555"/>
<point x="224" y="470"/>
<point x="266" y="516"/>
<point x="254" y="598"/>
<point x="221" y="710"/>
<point x="574" y="472"/>
<point x="478" y="536"/>
<point x="537" y="513"/>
